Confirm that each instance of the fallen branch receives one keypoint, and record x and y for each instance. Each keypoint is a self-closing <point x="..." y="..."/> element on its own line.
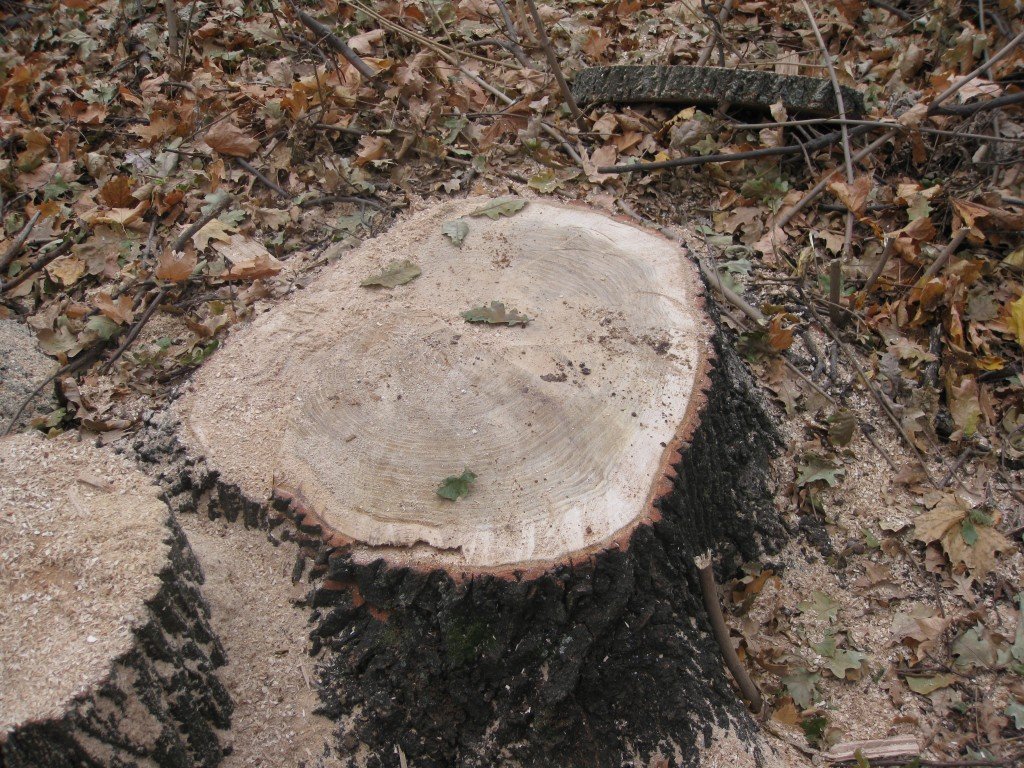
<point x="41" y="262"/>
<point x="955" y="87"/>
<point x="709" y="591"/>
<point x="266" y="181"/>
<point x="135" y="330"/>
<point x="19" y="242"/>
<point x="335" y="42"/>
<point x="817" y="189"/>
<point x="556" y="68"/>
<point x="789" y="149"/>
<point x="183" y="238"/>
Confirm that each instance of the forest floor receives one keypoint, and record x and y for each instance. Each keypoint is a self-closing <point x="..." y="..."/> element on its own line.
<point x="884" y="316"/>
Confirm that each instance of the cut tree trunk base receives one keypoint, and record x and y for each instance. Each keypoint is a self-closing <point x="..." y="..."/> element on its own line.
<point x="158" y="701"/>
<point x="464" y="655"/>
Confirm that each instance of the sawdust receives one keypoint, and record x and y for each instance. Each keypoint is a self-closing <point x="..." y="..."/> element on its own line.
<point x="22" y="368"/>
<point x="269" y="673"/>
<point x="82" y="539"/>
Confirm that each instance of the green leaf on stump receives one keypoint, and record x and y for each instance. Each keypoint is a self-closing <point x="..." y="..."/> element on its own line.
<point x="456" y="486"/>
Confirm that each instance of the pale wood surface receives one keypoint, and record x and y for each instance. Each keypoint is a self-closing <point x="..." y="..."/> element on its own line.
<point x="363" y="400"/>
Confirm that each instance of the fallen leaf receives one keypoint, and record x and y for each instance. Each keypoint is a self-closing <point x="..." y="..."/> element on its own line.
<point x="821" y="605"/>
<point x="495" y="314"/>
<point x="250" y="260"/>
<point x="1017" y="319"/>
<point x="544" y="181"/>
<point x="945" y="524"/>
<point x="841" y="426"/>
<point x="974" y="649"/>
<point x="117" y="192"/>
<point x="228" y="139"/>
<point x="215" y="229"/>
<point x="176" y="266"/>
<point x="394" y="274"/>
<point x="926" y="685"/>
<point x="503" y="206"/>
<point x="455" y="231"/>
<point x="66" y="269"/>
<point x="103" y="327"/>
<point x="854" y="196"/>
<point x="815" y="468"/>
<point x="456" y="486"/>
<point x="120" y="311"/>
<point x="802" y="686"/>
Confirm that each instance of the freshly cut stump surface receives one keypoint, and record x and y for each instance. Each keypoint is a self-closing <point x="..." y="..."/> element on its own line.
<point x="105" y="653"/>
<point x="360" y="401"/>
<point x="551" y="615"/>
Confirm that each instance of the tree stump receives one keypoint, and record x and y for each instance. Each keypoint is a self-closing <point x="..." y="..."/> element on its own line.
<point x="107" y="656"/>
<point x="549" y="614"/>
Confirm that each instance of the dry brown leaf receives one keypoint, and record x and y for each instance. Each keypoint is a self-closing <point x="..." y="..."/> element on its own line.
<point x="117" y="192"/>
<point x="120" y="311"/>
<point x="67" y="269"/>
<point x="176" y="266"/>
<point x="250" y="260"/>
<point x="854" y="196"/>
<point x="212" y="230"/>
<point x="371" y="148"/>
<point x="228" y="139"/>
<point x="945" y="524"/>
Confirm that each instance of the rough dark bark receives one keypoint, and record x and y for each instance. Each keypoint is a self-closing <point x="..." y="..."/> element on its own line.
<point x="162" y="703"/>
<point x="711" y="86"/>
<point x="590" y="664"/>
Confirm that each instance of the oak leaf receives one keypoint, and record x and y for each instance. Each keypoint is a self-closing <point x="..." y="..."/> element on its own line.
<point x="228" y="139"/>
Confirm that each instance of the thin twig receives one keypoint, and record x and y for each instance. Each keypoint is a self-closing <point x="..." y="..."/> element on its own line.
<point x="852" y="360"/>
<point x="328" y="199"/>
<point x="879" y="124"/>
<point x="817" y="189"/>
<point x="19" y="242"/>
<point x="135" y="329"/>
<point x="39" y="263"/>
<point x="335" y="42"/>
<point x="556" y="68"/>
<point x="183" y="238"/>
<point x="267" y="182"/>
<point x="966" y="110"/>
<point x="80" y="362"/>
<point x="172" y="29"/>
<point x="709" y="591"/>
<point x="788" y="149"/>
<point x="709" y="45"/>
<point x="887" y="251"/>
<point x="513" y="35"/>
<point x="999" y="55"/>
<point x="940" y="261"/>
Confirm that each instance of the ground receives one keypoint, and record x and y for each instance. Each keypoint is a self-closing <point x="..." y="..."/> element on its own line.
<point x="892" y="350"/>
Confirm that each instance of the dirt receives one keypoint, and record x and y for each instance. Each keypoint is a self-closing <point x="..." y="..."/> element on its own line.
<point x="22" y="368"/>
<point x="269" y="672"/>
